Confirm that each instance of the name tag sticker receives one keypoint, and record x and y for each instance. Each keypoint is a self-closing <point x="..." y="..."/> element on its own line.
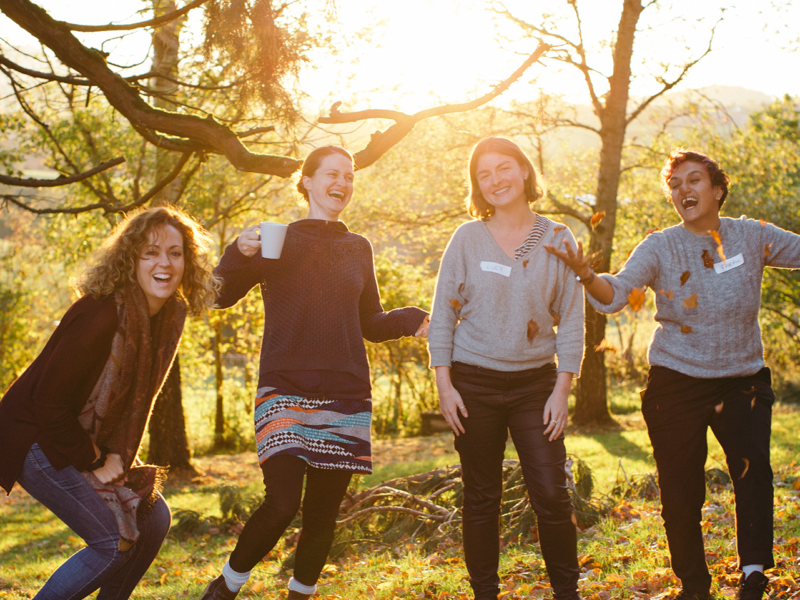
<point x="493" y="267"/>
<point x="731" y="263"/>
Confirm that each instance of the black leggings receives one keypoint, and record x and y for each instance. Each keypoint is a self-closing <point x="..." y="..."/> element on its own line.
<point x="283" y="486"/>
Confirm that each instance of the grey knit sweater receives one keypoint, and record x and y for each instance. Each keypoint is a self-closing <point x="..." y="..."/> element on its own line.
<point x="706" y="310"/>
<point x="509" y="315"/>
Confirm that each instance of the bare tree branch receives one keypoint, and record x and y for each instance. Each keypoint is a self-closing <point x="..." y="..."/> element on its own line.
<point x="382" y="141"/>
<point x="61" y="179"/>
<point x="41" y="75"/>
<point x="142" y="24"/>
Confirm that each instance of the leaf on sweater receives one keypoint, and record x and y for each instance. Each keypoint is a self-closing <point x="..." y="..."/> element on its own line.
<point x="525" y="262"/>
<point x="718" y="240"/>
<point x="558" y="228"/>
<point x="746" y="467"/>
<point x="686" y="329"/>
<point x="669" y="295"/>
<point x="533" y="329"/>
<point x="752" y="390"/>
<point x="649" y="231"/>
<point x="597" y="217"/>
<point x="556" y="318"/>
<point x="456" y="306"/>
<point x="762" y="221"/>
<point x="685" y="277"/>
<point x="708" y="262"/>
<point x="605" y="346"/>
<point x="461" y="288"/>
<point x="636" y="298"/>
<point x="767" y="250"/>
<point x="752" y="403"/>
<point x="596" y="264"/>
<point x="690" y="302"/>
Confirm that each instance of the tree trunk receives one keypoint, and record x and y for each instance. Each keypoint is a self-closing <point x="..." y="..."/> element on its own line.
<point x="591" y="404"/>
<point x="168" y="439"/>
<point x="219" y="417"/>
<point x="169" y="445"/>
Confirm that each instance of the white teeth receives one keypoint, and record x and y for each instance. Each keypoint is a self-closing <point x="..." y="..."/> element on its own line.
<point x="337" y="195"/>
<point x="161" y="277"/>
<point x="689" y="202"/>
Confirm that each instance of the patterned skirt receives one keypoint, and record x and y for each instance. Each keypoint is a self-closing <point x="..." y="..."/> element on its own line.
<point x="325" y="432"/>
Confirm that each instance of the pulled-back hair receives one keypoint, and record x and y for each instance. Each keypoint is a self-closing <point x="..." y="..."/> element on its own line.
<point x="116" y="260"/>
<point x="313" y="161"/>
<point x="477" y="206"/>
<point x="677" y="157"/>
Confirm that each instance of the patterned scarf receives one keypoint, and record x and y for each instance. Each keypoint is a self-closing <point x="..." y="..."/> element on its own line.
<point x="119" y="407"/>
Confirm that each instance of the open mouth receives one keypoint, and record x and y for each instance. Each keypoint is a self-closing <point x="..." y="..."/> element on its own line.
<point x="689" y="202"/>
<point x="162" y="278"/>
<point x="501" y="191"/>
<point x="337" y="194"/>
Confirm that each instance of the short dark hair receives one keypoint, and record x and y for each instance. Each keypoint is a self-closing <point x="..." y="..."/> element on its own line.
<point x="677" y="157"/>
<point x="313" y="161"/>
<point x="477" y="206"/>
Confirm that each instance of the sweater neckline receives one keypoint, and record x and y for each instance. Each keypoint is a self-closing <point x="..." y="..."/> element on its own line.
<point x="517" y="259"/>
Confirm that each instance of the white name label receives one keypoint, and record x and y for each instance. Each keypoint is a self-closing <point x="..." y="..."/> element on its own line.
<point x="731" y="263"/>
<point x="493" y="267"/>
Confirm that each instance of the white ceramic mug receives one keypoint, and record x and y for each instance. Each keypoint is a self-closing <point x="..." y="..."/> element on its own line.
<point x="272" y="237"/>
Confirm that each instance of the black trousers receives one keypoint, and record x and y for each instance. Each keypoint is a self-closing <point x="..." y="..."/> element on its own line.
<point x="678" y="410"/>
<point x="497" y="402"/>
<point x="283" y="485"/>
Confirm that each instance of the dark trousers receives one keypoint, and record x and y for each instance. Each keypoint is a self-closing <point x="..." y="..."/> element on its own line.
<point x="497" y="402"/>
<point x="283" y="485"/>
<point x="678" y="410"/>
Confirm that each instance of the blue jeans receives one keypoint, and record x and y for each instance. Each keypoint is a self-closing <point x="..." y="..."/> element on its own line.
<point x="101" y="564"/>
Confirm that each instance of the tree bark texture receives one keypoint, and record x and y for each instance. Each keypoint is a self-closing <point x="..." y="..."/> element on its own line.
<point x="168" y="443"/>
<point x="591" y="404"/>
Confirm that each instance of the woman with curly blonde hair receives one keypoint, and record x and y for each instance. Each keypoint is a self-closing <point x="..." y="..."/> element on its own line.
<point x="72" y="424"/>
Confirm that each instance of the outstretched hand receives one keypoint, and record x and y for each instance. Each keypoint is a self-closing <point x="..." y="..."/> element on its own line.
<point x="574" y="259"/>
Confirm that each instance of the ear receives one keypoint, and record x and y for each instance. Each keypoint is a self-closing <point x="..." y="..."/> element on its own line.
<point x="306" y="181"/>
<point x="525" y="173"/>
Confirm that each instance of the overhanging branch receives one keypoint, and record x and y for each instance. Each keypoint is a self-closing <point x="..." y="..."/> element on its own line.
<point x="61" y="179"/>
<point x="171" y="16"/>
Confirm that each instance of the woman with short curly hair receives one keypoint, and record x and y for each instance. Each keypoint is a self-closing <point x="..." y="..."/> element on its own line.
<point x="706" y="362"/>
<point x="72" y="423"/>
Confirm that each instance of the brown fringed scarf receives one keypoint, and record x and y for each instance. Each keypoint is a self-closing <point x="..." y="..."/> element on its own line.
<point x="119" y="407"/>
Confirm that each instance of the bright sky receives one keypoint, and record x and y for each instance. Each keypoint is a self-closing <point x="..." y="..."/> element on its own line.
<point x="423" y="52"/>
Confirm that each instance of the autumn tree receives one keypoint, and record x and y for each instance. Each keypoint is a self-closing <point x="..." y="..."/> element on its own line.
<point x="614" y="110"/>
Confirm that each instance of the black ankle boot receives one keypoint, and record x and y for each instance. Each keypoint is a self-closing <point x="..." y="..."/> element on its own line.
<point x="752" y="587"/>
<point x="218" y="590"/>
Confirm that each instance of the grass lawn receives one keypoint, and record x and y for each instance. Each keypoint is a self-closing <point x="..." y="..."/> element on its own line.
<point x="623" y="556"/>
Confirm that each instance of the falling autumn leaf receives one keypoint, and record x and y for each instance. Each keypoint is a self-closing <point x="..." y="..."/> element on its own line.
<point x="455" y="304"/>
<point x="596" y="264"/>
<point x="690" y="302"/>
<point x="636" y="299"/>
<point x="685" y="277"/>
<point x="596" y="218"/>
<point x="718" y="240"/>
<point x="556" y="318"/>
<point x="708" y="262"/>
<point x="604" y="346"/>
<point x="762" y="221"/>
<point x="649" y="231"/>
<point x="767" y="250"/>
<point x="525" y="263"/>
<point x="752" y="390"/>
<point x="669" y="295"/>
<point x="746" y="467"/>
<point x="686" y="329"/>
<point x="752" y="403"/>
<point x="533" y="329"/>
<point x="558" y="228"/>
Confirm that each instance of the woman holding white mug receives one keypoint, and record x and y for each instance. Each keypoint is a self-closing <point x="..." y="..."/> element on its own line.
<point x="313" y="407"/>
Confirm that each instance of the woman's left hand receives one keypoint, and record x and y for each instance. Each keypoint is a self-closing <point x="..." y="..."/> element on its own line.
<point x="423" y="329"/>
<point x="556" y="409"/>
<point x="111" y="470"/>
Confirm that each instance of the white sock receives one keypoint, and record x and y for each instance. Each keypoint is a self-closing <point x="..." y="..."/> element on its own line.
<point x="233" y="579"/>
<point x="296" y="586"/>
<point x="751" y="569"/>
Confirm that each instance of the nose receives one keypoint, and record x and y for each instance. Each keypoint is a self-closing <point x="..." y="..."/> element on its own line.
<point x="163" y="259"/>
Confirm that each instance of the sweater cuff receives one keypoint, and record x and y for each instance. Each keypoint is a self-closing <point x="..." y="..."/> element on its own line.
<point x="414" y="320"/>
<point x="440" y="357"/>
<point x="233" y="257"/>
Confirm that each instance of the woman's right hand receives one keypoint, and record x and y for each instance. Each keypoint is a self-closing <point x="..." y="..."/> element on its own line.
<point x="111" y="470"/>
<point x="450" y="400"/>
<point x="574" y="259"/>
<point x="249" y="242"/>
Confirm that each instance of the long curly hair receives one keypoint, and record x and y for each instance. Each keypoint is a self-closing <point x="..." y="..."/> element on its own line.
<point x="116" y="260"/>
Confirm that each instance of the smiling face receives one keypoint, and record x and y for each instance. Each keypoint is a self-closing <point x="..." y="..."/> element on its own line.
<point x="501" y="179"/>
<point x="159" y="269"/>
<point x="330" y="188"/>
<point x="694" y="198"/>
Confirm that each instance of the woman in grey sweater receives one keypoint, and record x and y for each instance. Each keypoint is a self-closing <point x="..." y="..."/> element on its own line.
<point x="503" y="310"/>
<point x="706" y="361"/>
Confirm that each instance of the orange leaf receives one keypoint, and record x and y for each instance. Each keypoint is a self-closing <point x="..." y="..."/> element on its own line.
<point x="603" y="346"/>
<point x="752" y="390"/>
<point x="685" y="277"/>
<point x="718" y="240"/>
<point x="753" y="403"/>
<point x="767" y="250"/>
<point x="746" y="467"/>
<point x="455" y="304"/>
<point x="762" y="221"/>
<point x="796" y="484"/>
<point x="558" y="228"/>
<point x="686" y="329"/>
<point x="556" y="318"/>
<point x="525" y="263"/>
<point x="708" y="262"/>
<point x="690" y="302"/>
<point x="668" y="294"/>
<point x="649" y="231"/>
<point x="257" y="586"/>
<point x="597" y="217"/>
<point x="533" y="329"/>
<point x="596" y="263"/>
<point x="636" y="298"/>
